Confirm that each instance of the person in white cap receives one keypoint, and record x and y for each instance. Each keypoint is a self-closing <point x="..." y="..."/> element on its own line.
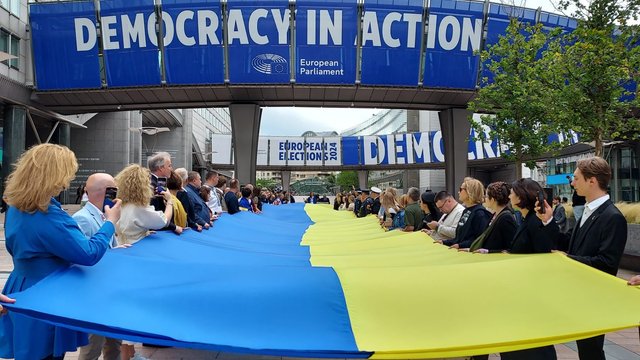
<point x="375" y="195"/>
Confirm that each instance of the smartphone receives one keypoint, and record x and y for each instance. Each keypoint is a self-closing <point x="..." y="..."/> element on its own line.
<point x="161" y="185"/>
<point x="110" y="194"/>
<point x="541" y="201"/>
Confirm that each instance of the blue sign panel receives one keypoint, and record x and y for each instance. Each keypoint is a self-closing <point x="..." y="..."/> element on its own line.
<point x="61" y="32"/>
<point x="350" y="150"/>
<point x="391" y="37"/>
<point x="455" y="32"/>
<point x="130" y="42"/>
<point x="193" y="47"/>
<point x="325" y="34"/>
<point x="258" y="34"/>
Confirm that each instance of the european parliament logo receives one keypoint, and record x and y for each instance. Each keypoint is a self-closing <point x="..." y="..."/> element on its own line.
<point x="270" y="64"/>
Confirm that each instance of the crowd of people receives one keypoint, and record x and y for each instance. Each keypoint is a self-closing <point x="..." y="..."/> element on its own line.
<point x="512" y="218"/>
<point x="116" y="213"/>
<point x="121" y="210"/>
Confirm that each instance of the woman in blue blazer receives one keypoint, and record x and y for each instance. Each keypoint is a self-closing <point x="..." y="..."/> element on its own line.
<point x="41" y="239"/>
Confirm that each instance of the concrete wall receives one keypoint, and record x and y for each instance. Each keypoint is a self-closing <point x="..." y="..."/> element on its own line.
<point x="631" y="258"/>
<point x="105" y="145"/>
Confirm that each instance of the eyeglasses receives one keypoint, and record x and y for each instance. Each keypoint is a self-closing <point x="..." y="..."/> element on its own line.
<point x="462" y="188"/>
<point x="441" y="206"/>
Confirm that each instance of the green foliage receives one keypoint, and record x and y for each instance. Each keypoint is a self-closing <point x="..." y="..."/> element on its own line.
<point x="266" y="183"/>
<point x="346" y="180"/>
<point x="592" y="69"/>
<point x="517" y="97"/>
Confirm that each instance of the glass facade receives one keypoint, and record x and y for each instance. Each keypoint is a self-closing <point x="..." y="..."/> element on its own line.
<point x="628" y="175"/>
<point x="10" y="44"/>
<point x="12" y="5"/>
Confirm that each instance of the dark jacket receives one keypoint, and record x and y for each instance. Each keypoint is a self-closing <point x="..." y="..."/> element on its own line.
<point x="365" y="207"/>
<point x="500" y="232"/>
<point x="188" y="208"/>
<point x="473" y="222"/>
<point x="232" y="202"/>
<point x="375" y="208"/>
<point x="531" y="237"/>
<point x="600" y="241"/>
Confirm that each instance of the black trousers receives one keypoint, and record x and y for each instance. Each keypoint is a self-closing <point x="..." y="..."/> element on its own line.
<point x="591" y="348"/>
<point x="51" y="357"/>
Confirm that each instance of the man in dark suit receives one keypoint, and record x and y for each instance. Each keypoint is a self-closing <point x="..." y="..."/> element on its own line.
<point x="600" y="235"/>
<point x="559" y="214"/>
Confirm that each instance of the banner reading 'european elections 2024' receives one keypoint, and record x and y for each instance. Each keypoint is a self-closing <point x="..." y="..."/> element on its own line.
<point x="392" y="149"/>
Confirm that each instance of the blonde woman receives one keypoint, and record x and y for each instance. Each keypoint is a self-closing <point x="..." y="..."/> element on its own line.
<point x="352" y="203"/>
<point x="391" y="208"/>
<point x="138" y="217"/>
<point x="42" y="238"/>
<point x="475" y="218"/>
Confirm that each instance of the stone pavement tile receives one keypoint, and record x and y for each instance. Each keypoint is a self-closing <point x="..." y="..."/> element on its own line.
<point x="618" y="352"/>
<point x="623" y="340"/>
<point x="565" y="353"/>
<point x="635" y="348"/>
<point x="176" y="354"/>
<point x="234" y="356"/>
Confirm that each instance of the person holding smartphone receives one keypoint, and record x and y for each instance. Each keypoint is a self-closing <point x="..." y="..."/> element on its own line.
<point x="599" y="236"/>
<point x="101" y="190"/>
<point x="530" y="238"/>
<point x="160" y="166"/>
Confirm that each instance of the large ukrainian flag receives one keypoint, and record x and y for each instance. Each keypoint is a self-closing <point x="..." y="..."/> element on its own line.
<point x="310" y="281"/>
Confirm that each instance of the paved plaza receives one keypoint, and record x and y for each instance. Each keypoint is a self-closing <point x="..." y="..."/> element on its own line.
<point x="621" y="345"/>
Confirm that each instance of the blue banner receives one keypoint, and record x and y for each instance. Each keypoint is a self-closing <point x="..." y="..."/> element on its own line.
<point x="325" y="35"/>
<point x="259" y="42"/>
<point x="454" y="34"/>
<point x="61" y="32"/>
<point x="130" y="42"/>
<point x="258" y="35"/>
<point x="350" y="150"/>
<point x="391" y="37"/>
<point x="194" y="52"/>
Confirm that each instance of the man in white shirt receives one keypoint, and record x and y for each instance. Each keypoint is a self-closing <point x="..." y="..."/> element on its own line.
<point x="211" y="180"/>
<point x="445" y="228"/>
<point x="599" y="237"/>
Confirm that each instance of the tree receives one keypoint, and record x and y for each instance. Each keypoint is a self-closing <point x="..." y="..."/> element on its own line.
<point x="594" y="69"/>
<point x="266" y="183"/>
<point x="516" y="98"/>
<point x="347" y="179"/>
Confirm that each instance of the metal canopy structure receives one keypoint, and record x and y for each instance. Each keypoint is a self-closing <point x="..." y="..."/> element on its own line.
<point x="75" y="101"/>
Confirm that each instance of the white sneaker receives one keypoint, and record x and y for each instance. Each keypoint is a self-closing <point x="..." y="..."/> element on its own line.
<point x="137" y="356"/>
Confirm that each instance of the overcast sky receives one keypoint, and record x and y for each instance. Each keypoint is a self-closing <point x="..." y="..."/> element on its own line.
<point x="293" y="121"/>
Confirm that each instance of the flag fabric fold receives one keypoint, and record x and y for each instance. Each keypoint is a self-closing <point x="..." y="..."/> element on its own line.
<point x="314" y="282"/>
